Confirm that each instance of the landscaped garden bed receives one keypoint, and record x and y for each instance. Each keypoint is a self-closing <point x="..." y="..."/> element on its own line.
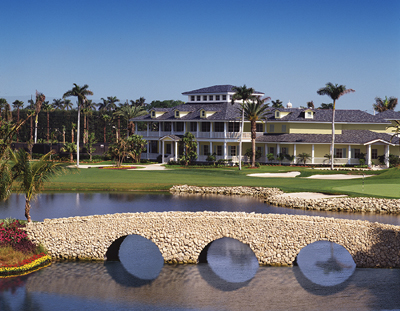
<point x="118" y="167"/>
<point x="18" y="255"/>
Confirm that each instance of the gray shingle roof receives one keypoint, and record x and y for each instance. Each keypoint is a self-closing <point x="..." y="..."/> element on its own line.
<point x="347" y="137"/>
<point x="223" y="111"/>
<point x="325" y="115"/>
<point x="389" y="115"/>
<point x="215" y="89"/>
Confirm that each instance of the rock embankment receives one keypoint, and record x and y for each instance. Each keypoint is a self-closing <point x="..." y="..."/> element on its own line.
<point x="274" y="196"/>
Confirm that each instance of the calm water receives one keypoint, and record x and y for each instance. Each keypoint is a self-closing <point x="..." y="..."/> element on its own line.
<point x="55" y="205"/>
<point x="230" y="279"/>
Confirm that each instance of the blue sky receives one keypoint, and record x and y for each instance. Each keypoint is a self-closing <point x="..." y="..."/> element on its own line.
<point x="159" y="49"/>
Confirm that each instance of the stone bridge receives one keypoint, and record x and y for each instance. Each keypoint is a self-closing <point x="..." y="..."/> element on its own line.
<point x="184" y="237"/>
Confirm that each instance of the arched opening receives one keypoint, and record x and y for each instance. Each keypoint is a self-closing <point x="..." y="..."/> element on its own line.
<point x="230" y="260"/>
<point x="113" y="249"/>
<point x="324" y="265"/>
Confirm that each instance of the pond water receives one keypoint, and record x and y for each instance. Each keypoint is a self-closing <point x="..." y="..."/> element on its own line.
<point x="56" y="205"/>
<point x="229" y="278"/>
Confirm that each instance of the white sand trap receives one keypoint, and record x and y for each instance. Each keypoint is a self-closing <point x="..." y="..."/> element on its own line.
<point x="338" y="176"/>
<point x="287" y="174"/>
<point x="311" y="195"/>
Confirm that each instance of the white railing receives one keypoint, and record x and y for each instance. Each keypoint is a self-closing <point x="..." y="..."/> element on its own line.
<point x="149" y="156"/>
<point x="218" y="135"/>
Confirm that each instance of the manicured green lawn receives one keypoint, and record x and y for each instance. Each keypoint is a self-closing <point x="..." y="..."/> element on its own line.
<point x="386" y="184"/>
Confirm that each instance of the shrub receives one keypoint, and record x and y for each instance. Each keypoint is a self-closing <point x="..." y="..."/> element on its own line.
<point x="12" y="235"/>
<point x="394" y="160"/>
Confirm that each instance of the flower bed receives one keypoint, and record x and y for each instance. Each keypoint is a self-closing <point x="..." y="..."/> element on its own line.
<point x="26" y="266"/>
<point x="117" y="168"/>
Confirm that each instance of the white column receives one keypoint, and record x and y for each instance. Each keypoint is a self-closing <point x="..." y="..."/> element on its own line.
<point x="278" y="149"/>
<point x="162" y="154"/>
<point x="148" y="151"/>
<point x="312" y="154"/>
<point x="349" y="155"/>
<point x="224" y="129"/>
<point x="176" y="151"/>
<point x="211" y="150"/>
<point x="295" y="153"/>
<point x="225" y="153"/>
<point x="172" y="128"/>
<point x="266" y="152"/>
<point x="211" y="129"/>
<point x="147" y="129"/>
<point x="369" y="155"/>
<point x="198" y="149"/>
<point x="387" y="155"/>
<point x="198" y="130"/>
<point x="159" y="129"/>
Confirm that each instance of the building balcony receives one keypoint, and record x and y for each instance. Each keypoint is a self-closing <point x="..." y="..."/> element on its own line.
<point x="214" y="135"/>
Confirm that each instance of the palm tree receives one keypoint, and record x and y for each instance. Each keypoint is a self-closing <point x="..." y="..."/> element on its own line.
<point x="32" y="175"/>
<point x="304" y="157"/>
<point x="58" y="104"/>
<point x="70" y="148"/>
<point x="106" y="118"/>
<point x="17" y="104"/>
<point x="130" y="112"/>
<point x="80" y="92"/>
<point x="112" y="100"/>
<point x="40" y="98"/>
<point x="67" y="104"/>
<point x="383" y="105"/>
<point x="326" y="106"/>
<point x="245" y="95"/>
<point x="310" y="105"/>
<point x="138" y="102"/>
<point x="334" y="92"/>
<point x="48" y="108"/>
<point x="276" y="103"/>
<point x="31" y="109"/>
<point x="3" y="103"/>
<point x="253" y="112"/>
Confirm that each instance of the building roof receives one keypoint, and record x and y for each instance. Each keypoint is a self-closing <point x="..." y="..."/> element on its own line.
<point x="347" y="137"/>
<point x="325" y="115"/>
<point x="216" y="89"/>
<point x="223" y="111"/>
<point x="389" y="115"/>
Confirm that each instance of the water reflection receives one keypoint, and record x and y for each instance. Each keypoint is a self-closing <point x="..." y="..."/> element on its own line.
<point x="56" y="205"/>
<point x="140" y="257"/>
<point x="324" y="267"/>
<point x="99" y="286"/>
<point x="232" y="260"/>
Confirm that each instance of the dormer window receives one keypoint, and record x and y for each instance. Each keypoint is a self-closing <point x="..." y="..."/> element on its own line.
<point x="308" y="114"/>
<point x="176" y="113"/>
<point x="277" y="115"/>
<point x="223" y="97"/>
<point x="192" y="98"/>
<point x="198" y="98"/>
<point x="205" y="98"/>
<point x="211" y="97"/>
<point x="216" y="97"/>
<point x="153" y="114"/>
<point x="202" y="114"/>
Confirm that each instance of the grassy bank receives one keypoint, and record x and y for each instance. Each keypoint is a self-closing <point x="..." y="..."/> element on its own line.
<point x="385" y="184"/>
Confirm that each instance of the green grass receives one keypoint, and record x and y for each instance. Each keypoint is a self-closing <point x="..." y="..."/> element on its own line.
<point x="384" y="184"/>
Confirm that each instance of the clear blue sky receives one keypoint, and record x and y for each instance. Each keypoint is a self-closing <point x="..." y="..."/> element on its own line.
<point x="159" y="49"/>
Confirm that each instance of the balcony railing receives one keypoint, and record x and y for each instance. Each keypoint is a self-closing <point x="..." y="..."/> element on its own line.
<point x="215" y="135"/>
